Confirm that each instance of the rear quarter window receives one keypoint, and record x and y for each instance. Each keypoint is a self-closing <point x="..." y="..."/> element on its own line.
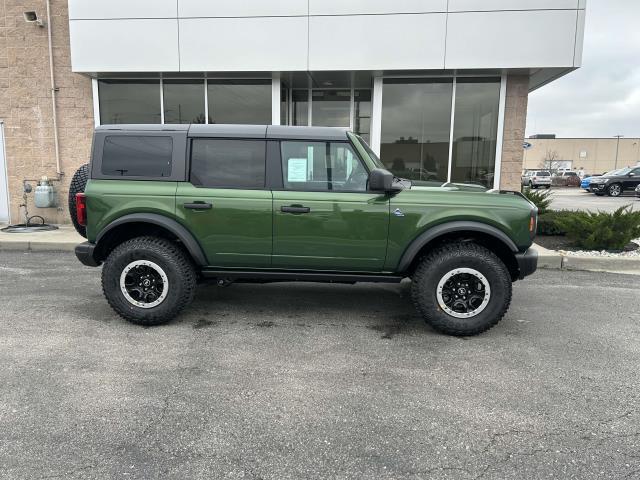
<point x="137" y="156"/>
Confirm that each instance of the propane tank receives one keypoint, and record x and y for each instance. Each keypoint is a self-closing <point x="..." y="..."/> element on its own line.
<point x="44" y="196"/>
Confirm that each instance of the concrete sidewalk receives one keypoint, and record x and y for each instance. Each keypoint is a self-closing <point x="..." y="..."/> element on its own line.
<point x="66" y="238"/>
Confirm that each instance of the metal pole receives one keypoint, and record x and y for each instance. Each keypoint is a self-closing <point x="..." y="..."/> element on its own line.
<point x="53" y="92"/>
<point x="617" y="149"/>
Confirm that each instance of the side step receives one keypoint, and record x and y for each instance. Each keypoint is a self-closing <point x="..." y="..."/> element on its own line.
<point x="290" y="276"/>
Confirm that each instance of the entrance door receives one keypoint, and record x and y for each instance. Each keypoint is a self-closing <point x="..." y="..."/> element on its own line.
<point x="325" y="219"/>
<point x="225" y="204"/>
<point x="4" y="188"/>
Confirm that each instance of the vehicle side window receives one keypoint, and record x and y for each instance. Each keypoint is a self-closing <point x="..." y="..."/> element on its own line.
<point x="636" y="171"/>
<point x="222" y="163"/>
<point x="320" y="166"/>
<point x="137" y="156"/>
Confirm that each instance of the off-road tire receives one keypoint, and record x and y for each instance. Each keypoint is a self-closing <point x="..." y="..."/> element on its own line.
<point x="436" y="264"/>
<point x="78" y="184"/>
<point x="171" y="258"/>
<point x="614" y="194"/>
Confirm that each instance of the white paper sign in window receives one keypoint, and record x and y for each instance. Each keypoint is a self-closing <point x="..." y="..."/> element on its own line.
<point x="297" y="170"/>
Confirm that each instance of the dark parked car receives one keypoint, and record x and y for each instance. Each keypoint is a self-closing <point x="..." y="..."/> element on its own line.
<point x="565" y="179"/>
<point x="617" y="183"/>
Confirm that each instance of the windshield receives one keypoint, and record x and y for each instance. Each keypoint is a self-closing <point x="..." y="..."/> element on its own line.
<point x="374" y="158"/>
<point x="622" y="171"/>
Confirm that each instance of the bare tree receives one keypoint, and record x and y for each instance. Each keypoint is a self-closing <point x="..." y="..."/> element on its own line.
<point x="551" y="160"/>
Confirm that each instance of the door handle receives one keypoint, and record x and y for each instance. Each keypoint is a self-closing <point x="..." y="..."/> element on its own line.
<point x="295" y="209"/>
<point x="198" y="206"/>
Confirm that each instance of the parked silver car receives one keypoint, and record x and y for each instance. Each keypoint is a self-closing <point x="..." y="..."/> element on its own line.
<point x="537" y="178"/>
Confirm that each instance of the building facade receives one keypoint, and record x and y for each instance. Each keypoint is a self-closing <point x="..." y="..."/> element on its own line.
<point x="437" y="87"/>
<point x="593" y="155"/>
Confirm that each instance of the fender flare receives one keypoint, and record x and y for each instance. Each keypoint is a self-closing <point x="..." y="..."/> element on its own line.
<point x="460" y="226"/>
<point x="187" y="239"/>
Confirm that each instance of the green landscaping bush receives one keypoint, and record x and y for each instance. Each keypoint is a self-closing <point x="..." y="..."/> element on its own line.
<point x="550" y="223"/>
<point x="601" y="231"/>
<point x="540" y="198"/>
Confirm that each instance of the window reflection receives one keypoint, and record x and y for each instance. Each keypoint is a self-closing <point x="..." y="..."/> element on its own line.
<point x="183" y="101"/>
<point x="416" y="121"/>
<point x="130" y="101"/>
<point x="330" y="108"/>
<point x="475" y="131"/>
<point x="240" y="101"/>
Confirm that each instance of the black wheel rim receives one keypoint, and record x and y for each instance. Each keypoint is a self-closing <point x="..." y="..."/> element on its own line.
<point x="463" y="293"/>
<point x="144" y="284"/>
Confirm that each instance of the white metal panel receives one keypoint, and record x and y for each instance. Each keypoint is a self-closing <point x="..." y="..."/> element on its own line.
<point x="350" y="7"/>
<point x="105" y="9"/>
<point x="492" y="5"/>
<point x="511" y="39"/>
<point x="582" y="4"/>
<point x="577" y="59"/>
<point x="4" y="187"/>
<point x="243" y="44"/>
<point x="124" y="45"/>
<point x="371" y="42"/>
<point x="241" y="8"/>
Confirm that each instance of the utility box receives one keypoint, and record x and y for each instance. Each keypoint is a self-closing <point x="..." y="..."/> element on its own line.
<point x="44" y="195"/>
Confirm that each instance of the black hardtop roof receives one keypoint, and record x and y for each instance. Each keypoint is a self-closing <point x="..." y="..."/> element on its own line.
<point x="239" y="131"/>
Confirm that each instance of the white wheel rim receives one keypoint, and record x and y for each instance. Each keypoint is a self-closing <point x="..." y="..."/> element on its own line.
<point x="127" y="288"/>
<point x="467" y="293"/>
<point x="615" y="190"/>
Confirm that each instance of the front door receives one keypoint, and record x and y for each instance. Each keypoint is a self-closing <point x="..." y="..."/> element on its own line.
<point x="324" y="218"/>
<point x="225" y="204"/>
<point x="632" y="181"/>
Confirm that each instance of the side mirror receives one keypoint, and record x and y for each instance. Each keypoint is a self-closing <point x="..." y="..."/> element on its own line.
<point x="631" y="174"/>
<point x="380" y="180"/>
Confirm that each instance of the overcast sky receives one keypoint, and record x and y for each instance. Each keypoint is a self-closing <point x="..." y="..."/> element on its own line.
<point x="602" y="98"/>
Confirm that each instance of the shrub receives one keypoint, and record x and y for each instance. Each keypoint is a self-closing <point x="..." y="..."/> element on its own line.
<point x="550" y="223"/>
<point x="601" y="231"/>
<point x="540" y="198"/>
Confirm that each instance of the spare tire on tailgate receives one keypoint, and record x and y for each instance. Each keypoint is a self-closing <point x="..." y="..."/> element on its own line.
<point x="78" y="184"/>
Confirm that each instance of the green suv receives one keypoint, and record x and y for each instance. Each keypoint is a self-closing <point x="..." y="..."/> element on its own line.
<point x="165" y="207"/>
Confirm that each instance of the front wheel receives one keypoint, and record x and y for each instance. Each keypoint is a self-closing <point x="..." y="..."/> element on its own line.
<point x="461" y="289"/>
<point x="614" y="190"/>
<point x="148" y="280"/>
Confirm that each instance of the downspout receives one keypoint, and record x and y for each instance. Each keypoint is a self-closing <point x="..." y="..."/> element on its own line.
<point x="53" y="93"/>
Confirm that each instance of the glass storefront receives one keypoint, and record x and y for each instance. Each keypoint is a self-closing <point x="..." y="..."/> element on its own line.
<point x="240" y="101"/>
<point x="475" y="131"/>
<point x="416" y="122"/>
<point x="131" y="101"/>
<point x="431" y="129"/>
<point x="416" y="129"/>
<point x="183" y="101"/>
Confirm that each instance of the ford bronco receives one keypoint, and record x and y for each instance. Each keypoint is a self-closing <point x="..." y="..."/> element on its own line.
<point x="166" y="206"/>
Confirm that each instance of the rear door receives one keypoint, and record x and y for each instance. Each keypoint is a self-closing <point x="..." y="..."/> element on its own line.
<point x="225" y="203"/>
<point x="323" y="216"/>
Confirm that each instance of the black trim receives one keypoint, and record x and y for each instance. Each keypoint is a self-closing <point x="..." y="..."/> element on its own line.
<point x="301" y="276"/>
<point x="190" y="243"/>
<point x="274" y="166"/>
<point x="462" y="226"/>
<point x="527" y="262"/>
<point x="84" y="253"/>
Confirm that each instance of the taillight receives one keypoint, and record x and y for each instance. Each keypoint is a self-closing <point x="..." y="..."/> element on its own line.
<point x="533" y="224"/>
<point x="81" y="208"/>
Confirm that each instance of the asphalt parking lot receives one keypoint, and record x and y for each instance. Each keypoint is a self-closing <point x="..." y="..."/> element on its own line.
<point x="315" y="381"/>
<point x="578" y="199"/>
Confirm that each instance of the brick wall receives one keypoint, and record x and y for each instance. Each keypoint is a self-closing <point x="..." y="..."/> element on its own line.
<point x="25" y="104"/>
<point x="515" y="120"/>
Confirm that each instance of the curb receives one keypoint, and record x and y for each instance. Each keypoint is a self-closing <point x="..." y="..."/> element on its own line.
<point x="554" y="260"/>
<point x="26" y="246"/>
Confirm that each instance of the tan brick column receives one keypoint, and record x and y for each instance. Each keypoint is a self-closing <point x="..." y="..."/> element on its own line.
<point x="515" y="120"/>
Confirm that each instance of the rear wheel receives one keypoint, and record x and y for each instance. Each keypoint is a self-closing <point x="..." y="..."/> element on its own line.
<point x="78" y="184"/>
<point x="148" y="280"/>
<point x="461" y="289"/>
<point x="614" y="190"/>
